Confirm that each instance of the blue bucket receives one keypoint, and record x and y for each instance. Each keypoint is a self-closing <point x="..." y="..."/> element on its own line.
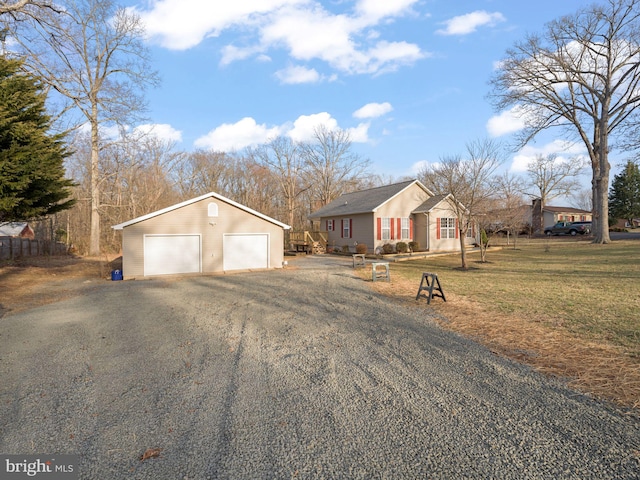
<point x="116" y="275"/>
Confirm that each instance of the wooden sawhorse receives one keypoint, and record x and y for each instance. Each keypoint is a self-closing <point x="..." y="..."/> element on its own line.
<point x="430" y="283"/>
<point x="376" y="274"/>
<point x="358" y="259"/>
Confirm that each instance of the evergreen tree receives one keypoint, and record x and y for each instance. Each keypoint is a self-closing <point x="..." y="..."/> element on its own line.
<point x="32" y="176"/>
<point x="624" y="196"/>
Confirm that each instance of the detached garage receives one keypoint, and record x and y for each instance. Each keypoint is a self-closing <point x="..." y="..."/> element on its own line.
<point x="207" y="234"/>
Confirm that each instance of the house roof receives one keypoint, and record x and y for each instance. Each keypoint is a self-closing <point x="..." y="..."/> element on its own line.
<point x="364" y="201"/>
<point x="549" y="208"/>
<point x="12" y="229"/>
<point x="431" y="203"/>
<point x="120" y="226"/>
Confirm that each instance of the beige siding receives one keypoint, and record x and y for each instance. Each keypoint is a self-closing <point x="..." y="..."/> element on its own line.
<point x="194" y="219"/>
<point x="443" y="244"/>
<point x="361" y="230"/>
<point x="401" y="206"/>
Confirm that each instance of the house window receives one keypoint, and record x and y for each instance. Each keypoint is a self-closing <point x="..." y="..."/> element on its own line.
<point x="329" y="225"/>
<point x="386" y="228"/>
<point x="405" y="229"/>
<point x="447" y="228"/>
<point x="346" y="228"/>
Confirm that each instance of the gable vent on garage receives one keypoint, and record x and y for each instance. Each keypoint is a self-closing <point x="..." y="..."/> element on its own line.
<point x="213" y="209"/>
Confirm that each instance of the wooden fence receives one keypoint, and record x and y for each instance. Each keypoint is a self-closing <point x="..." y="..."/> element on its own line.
<point x="11" y="247"/>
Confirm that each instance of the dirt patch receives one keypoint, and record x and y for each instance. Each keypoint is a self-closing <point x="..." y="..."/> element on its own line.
<point x="599" y="369"/>
<point x="37" y="281"/>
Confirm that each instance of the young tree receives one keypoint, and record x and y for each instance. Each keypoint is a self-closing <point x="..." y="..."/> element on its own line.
<point x="468" y="181"/>
<point x="624" y="197"/>
<point x="93" y="55"/>
<point x="582" y="74"/>
<point x="32" y="177"/>
<point x="552" y="178"/>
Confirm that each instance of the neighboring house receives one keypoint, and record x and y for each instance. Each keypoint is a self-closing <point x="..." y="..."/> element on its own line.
<point x="401" y="212"/>
<point x="552" y="215"/>
<point x="16" y="230"/>
<point x="621" y="223"/>
<point x="206" y="234"/>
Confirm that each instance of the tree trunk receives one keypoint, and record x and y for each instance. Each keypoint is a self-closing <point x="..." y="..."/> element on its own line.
<point x="94" y="244"/>
<point x="601" y="197"/>
<point x="463" y="250"/>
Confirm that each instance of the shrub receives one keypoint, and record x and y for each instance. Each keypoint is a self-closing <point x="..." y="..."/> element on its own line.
<point x="414" y="246"/>
<point x="387" y="248"/>
<point x="346" y="249"/>
<point x="361" y="248"/>
<point x="401" y="247"/>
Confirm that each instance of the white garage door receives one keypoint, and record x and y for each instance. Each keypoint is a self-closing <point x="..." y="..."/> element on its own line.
<point x="170" y="254"/>
<point x="245" y="251"/>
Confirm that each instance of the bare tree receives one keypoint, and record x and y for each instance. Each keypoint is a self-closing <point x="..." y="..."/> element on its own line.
<point x="283" y="158"/>
<point x="550" y="178"/>
<point x="468" y="180"/>
<point x="583" y="199"/>
<point x="582" y="74"/>
<point x="512" y="212"/>
<point x="332" y="167"/>
<point x="93" y="55"/>
<point x="25" y="7"/>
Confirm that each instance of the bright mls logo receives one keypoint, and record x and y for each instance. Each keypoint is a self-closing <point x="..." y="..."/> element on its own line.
<point x="50" y="467"/>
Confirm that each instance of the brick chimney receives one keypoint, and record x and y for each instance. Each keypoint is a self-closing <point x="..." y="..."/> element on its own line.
<point x="537" y="224"/>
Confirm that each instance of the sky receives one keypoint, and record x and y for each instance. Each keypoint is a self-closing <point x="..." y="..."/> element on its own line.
<point x="408" y="79"/>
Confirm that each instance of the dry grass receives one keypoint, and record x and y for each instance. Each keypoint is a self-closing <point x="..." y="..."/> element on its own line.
<point x="568" y="308"/>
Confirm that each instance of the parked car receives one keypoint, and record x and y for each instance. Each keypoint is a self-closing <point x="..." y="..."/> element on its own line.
<point x="569" y="228"/>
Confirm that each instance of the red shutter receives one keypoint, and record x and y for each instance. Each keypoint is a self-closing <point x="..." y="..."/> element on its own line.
<point x="350" y="228"/>
<point x="438" y="228"/>
<point x="379" y="228"/>
<point x="391" y="227"/>
<point x="326" y="225"/>
<point x="411" y="229"/>
<point x="457" y="229"/>
<point x="399" y="229"/>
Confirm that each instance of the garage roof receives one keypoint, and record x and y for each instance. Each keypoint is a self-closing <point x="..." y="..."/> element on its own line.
<point x="120" y="226"/>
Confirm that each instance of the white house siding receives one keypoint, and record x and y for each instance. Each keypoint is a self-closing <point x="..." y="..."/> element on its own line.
<point x="194" y="219"/>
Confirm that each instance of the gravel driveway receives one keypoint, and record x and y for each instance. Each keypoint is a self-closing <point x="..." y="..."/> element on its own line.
<point x="295" y="373"/>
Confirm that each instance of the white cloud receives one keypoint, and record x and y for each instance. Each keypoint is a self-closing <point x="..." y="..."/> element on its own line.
<point x="230" y="137"/>
<point x="377" y="9"/>
<point x="183" y="24"/>
<point x="469" y="23"/>
<point x="373" y="110"/>
<point x="244" y="133"/>
<point x="359" y="134"/>
<point x="305" y="28"/>
<point x="305" y="125"/>
<point x="161" y="131"/>
<point x="508" y="121"/>
<point x="561" y="148"/>
<point x="298" y="74"/>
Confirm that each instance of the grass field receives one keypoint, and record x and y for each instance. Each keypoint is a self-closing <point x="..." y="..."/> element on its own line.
<point x="566" y="306"/>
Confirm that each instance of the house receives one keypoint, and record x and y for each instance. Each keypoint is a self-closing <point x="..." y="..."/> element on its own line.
<point x="551" y="215"/>
<point x="207" y="234"/>
<point x="401" y="212"/>
<point x="16" y="230"/>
